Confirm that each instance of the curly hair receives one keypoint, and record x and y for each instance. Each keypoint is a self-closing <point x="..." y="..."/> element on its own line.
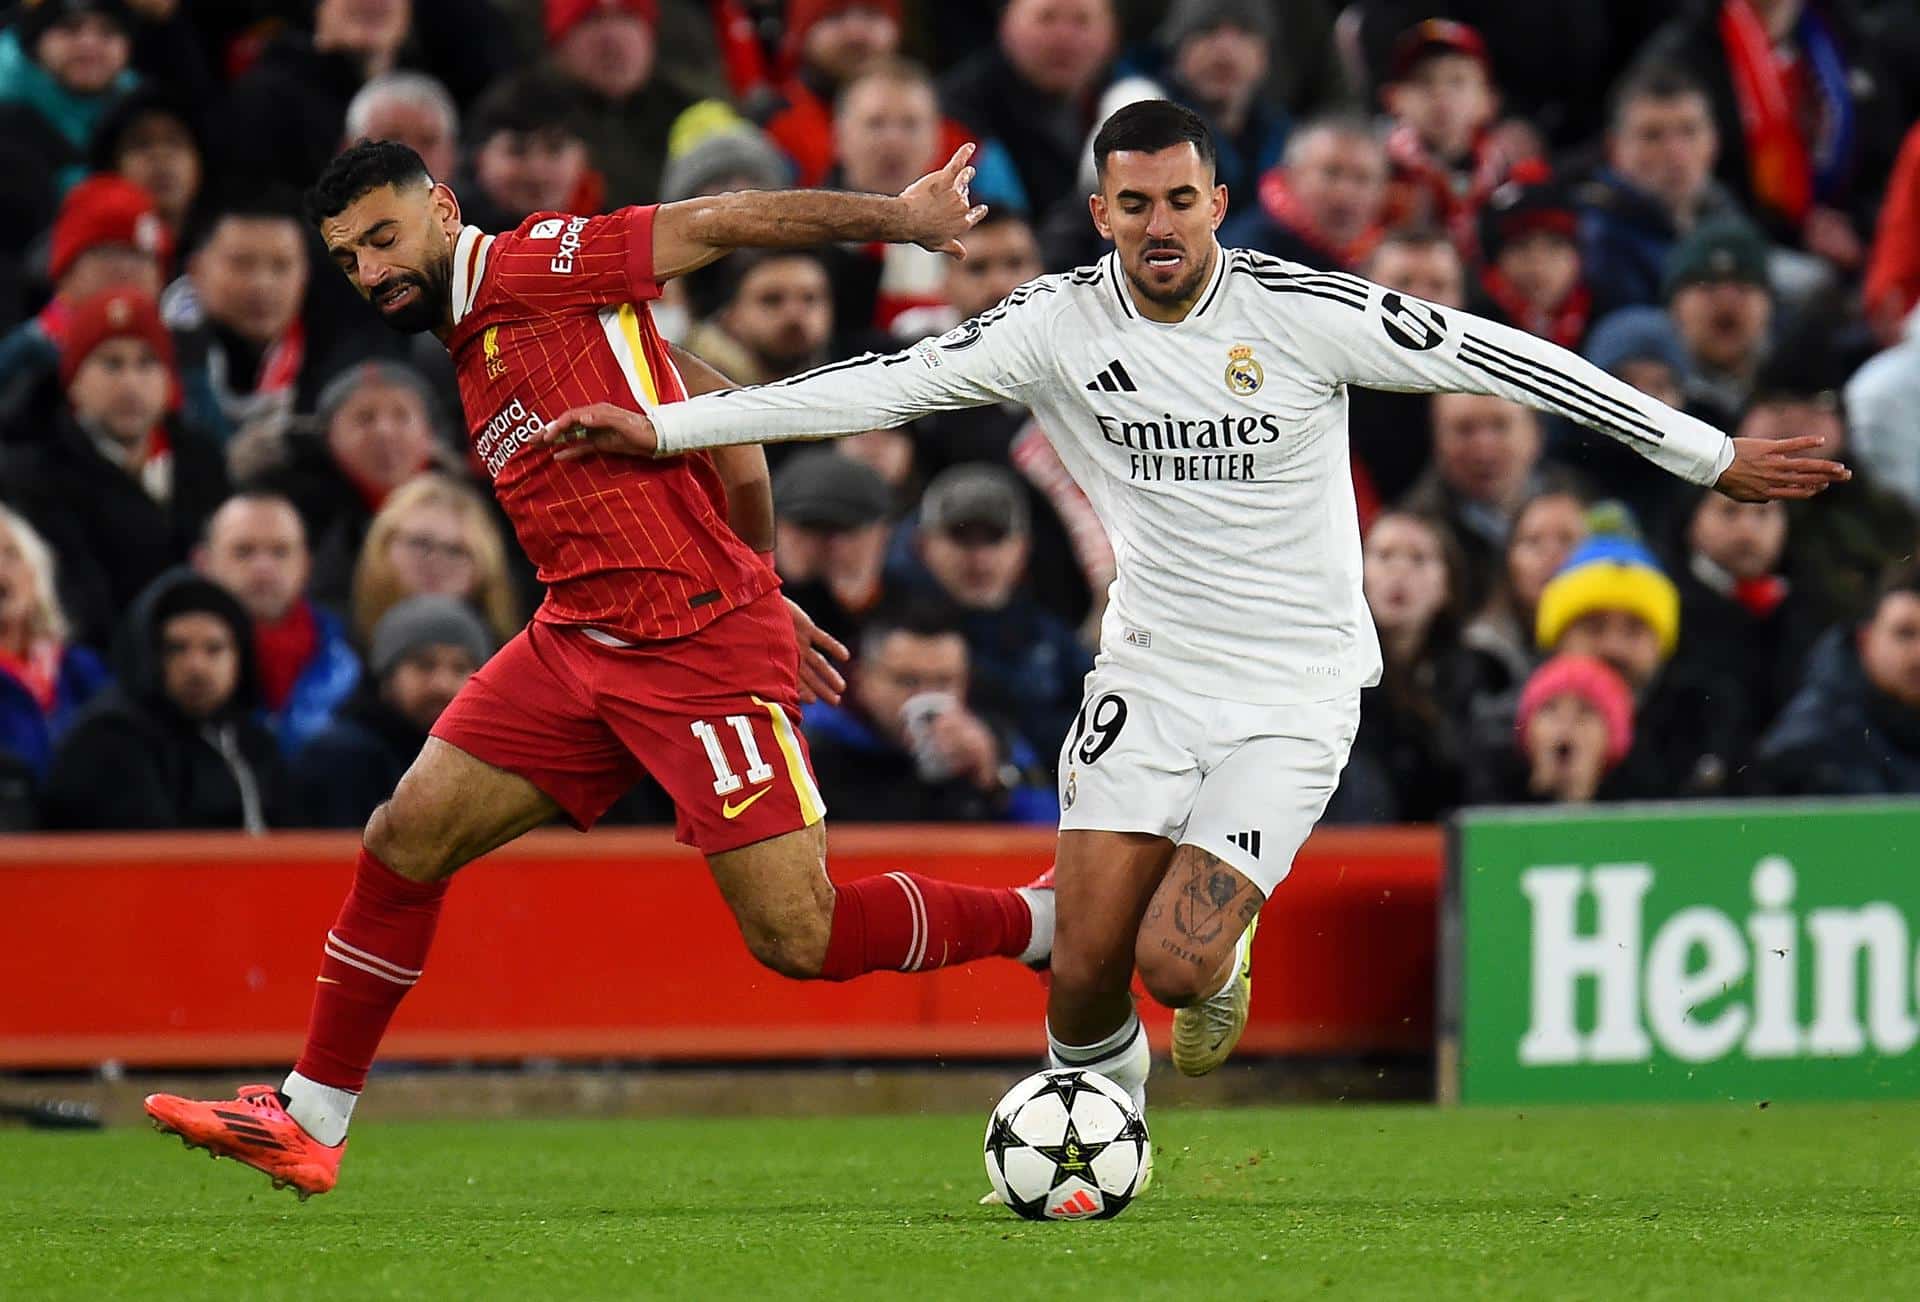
<point x="359" y="169"/>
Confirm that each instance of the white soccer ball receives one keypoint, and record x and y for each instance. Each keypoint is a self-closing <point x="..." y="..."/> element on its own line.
<point x="1067" y="1145"/>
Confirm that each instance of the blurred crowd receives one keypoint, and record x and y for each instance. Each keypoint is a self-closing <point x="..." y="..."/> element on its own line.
<point x="247" y="556"/>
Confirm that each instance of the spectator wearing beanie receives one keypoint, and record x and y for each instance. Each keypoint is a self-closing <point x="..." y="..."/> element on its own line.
<point x="424" y="650"/>
<point x="1612" y="601"/>
<point x="1529" y="236"/>
<point x="1721" y="303"/>
<point x="376" y="426"/>
<point x="121" y="488"/>
<point x="1546" y="529"/>
<point x="44" y="678"/>
<point x="608" y="50"/>
<point x="256" y="549"/>
<point x="1573" y="730"/>
<point x="713" y="150"/>
<point x="1638" y="345"/>
<point x="830" y="537"/>
<point x="1743" y="617"/>
<point x="173" y="744"/>
<point x="108" y="236"/>
<point x="61" y="64"/>
<point x="1445" y="157"/>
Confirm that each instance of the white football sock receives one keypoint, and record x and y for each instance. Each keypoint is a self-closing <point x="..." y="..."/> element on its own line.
<point x="1122" y="1058"/>
<point x="322" y="1110"/>
<point x="1040" y="905"/>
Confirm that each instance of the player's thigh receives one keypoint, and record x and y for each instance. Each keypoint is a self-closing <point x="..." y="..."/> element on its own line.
<point x="1192" y="924"/>
<point x="1102" y="884"/>
<point x="781" y="897"/>
<point x="449" y="809"/>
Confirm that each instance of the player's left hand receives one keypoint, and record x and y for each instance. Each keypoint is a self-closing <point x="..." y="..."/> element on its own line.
<point x="820" y="680"/>
<point x="1764" y="469"/>
<point x="937" y="208"/>
<point x="600" y="427"/>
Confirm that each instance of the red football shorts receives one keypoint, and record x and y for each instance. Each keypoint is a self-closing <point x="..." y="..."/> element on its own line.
<point x="713" y="717"/>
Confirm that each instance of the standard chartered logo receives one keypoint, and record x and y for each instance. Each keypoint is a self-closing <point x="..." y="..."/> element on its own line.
<point x="1701" y="984"/>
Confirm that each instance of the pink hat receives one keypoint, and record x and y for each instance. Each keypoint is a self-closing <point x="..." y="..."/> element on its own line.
<point x="1593" y="682"/>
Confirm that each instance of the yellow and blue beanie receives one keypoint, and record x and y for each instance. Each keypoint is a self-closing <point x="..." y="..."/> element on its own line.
<point x="1609" y="573"/>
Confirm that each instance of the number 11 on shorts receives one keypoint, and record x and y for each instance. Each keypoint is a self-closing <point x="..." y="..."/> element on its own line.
<point x="725" y="780"/>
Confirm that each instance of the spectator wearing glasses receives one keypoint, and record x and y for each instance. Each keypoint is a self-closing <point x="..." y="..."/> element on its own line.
<point x="433" y="538"/>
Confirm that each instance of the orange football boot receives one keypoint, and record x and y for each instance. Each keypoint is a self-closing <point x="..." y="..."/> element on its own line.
<point x="253" y="1128"/>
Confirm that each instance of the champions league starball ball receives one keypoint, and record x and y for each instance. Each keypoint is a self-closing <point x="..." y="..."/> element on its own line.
<point x="1067" y="1145"/>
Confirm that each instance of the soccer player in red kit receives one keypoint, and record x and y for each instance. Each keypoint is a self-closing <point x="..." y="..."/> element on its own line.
<point x="663" y="645"/>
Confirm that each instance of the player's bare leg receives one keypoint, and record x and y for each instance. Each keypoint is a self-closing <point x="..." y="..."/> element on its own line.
<point x="1194" y="955"/>
<point x="1103" y="883"/>
<point x="801" y="924"/>
<point x="448" y="810"/>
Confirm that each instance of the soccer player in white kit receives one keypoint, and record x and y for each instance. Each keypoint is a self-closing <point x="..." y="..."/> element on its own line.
<point x="1198" y="395"/>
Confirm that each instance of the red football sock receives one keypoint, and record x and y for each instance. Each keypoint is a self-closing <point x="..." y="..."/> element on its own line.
<point x="372" y="957"/>
<point x="903" y="922"/>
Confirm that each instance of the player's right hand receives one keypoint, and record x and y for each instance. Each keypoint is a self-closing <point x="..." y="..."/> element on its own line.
<point x="1764" y="469"/>
<point x="938" y="209"/>
<point x="600" y="427"/>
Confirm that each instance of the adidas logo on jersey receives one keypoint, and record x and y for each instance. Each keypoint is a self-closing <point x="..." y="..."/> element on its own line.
<point x="1248" y="841"/>
<point x="1113" y="380"/>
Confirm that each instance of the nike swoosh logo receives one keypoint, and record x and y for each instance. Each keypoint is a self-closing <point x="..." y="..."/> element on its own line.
<point x="730" y="810"/>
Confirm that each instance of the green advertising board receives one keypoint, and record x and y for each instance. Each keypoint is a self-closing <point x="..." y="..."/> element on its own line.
<point x="1749" y="951"/>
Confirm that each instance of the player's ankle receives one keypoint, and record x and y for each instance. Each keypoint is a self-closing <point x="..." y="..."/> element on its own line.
<point x="323" y="1111"/>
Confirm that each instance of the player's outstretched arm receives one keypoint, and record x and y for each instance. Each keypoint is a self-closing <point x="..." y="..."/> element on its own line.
<point x="1364" y="334"/>
<point x="933" y="212"/>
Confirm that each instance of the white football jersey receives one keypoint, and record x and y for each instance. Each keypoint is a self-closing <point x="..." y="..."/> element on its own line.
<point x="1215" y="448"/>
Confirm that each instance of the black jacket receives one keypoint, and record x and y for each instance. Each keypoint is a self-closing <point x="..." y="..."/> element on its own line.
<point x="111" y="537"/>
<point x="133" y="761"/>
<point x="335" y="513"/>
<point x="1840" y="736"/>
<point x="1042" y="133"/>
<point x="340" y="775"/>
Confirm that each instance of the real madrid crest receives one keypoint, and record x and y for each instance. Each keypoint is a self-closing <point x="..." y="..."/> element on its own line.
<point x="1244" y="374"/>
<point x="1073" y="789"/>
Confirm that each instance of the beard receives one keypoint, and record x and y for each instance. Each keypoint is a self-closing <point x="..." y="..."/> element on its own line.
<point x="429" y="306"/>
<point x="1180" y="291"/>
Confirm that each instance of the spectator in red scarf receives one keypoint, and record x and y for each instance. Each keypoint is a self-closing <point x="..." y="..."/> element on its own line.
<point x="1446" y="160"/>
<point x="108" y="236"/>
<point x="44" y="678"/>
<point x="1809" y="118"/>
<point x="1323" y="205"/>
<point x="120" y="487"/>
<point x="1743" y="618"/>
<point x="237" y="315"/>
<point x="376" y="428"/>
<point x="256" y="548"/>
<point x="1529" y="235"/>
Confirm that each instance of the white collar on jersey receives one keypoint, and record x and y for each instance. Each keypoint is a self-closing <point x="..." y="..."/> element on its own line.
<point x="1118" y="279"/>
<point x="469" y="266"/>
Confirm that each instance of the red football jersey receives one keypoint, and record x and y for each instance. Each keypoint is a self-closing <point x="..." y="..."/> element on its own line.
<point x="551" y="316"/>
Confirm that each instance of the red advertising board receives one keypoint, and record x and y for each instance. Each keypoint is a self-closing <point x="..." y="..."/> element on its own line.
<point x="195" y="949"/>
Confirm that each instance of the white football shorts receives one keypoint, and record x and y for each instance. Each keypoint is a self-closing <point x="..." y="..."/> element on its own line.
<point x="1245" y="783"/>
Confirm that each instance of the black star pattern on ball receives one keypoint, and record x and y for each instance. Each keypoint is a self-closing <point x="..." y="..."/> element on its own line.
<point x="1072" y="1157"/>
<point x="1065" y="1086"/>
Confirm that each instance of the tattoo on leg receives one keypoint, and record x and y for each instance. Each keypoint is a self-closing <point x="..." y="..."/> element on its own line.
<point x="1200" y="912"/>
<point x="1198" y="960"/>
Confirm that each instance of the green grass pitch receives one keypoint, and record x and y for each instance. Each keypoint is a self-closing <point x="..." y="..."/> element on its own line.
<point x="1794" y="1201"/>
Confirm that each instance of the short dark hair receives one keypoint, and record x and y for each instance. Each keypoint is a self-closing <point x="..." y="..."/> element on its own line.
<point x="269" y="202"/>
<point x="530" y="102"/>
<point x="1418" y="236"/>
<point x="1901" y="576"/>
<point x="919" y="616"/>
<point x="1655" y="81"/>
<point x="358" y="170"/>
<point x="1150" y="125"/>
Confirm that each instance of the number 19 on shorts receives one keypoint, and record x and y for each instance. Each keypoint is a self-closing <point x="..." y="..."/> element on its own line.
<point x="725" y="780"/>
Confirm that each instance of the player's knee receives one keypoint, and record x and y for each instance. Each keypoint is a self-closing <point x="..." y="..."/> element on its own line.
<point x="1083" y="965"/>
<point x="794" y="948"/>
<point x="1175" y="980"/>
<point x="398" y="842"/>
